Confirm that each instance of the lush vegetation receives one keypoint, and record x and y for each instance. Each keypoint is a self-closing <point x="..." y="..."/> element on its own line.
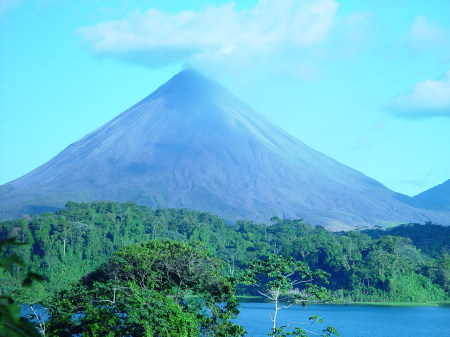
<point x="400" y="264"/>
<point x="157" y="288"/>
<point x="286" y="282"/>
<point x="432" y="240"/>
<point x="11" y="322"/>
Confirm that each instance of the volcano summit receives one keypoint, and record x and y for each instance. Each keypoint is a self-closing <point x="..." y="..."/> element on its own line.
<point x="192" y="144"/>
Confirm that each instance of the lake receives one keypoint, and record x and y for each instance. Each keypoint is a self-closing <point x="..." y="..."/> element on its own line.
<point x="350" y="320"/>
<point x="353" y="320"/>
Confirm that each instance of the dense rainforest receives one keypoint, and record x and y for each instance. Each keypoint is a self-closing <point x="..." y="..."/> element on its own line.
<point x="407" y="263"/>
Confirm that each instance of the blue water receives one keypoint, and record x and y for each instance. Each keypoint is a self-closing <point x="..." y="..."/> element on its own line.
<point x="350" y="320"/>
<point x="353" y="321"/>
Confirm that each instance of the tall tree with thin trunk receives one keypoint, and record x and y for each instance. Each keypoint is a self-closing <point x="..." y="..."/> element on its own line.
<point x="287" y="282"/>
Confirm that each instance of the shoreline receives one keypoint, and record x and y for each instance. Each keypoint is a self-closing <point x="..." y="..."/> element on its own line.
<point x="396" y="304"/>
<point x="259" y="299"/>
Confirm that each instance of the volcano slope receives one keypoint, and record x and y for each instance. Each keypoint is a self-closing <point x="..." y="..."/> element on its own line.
<point x="193" y="144"/>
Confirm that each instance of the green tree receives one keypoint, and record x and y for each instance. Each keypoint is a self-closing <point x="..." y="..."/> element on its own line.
<point x="11" y="323"/>
<point x="157" y="288"/>
<point x="286" y="282"/>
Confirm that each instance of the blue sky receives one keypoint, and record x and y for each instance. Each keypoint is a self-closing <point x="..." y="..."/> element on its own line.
<point x="366" y="82"/>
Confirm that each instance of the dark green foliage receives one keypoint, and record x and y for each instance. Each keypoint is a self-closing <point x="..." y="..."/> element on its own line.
<point x="72" y="242"/>
<point x="157" y="288"/>
<point x="431" y="239"/>
<point x="107" y="309"/>
<point x="286" y="282"/>
<point x="292" y="280"/>
<point x="11" y="323"/>
<point x="299" y="332"/>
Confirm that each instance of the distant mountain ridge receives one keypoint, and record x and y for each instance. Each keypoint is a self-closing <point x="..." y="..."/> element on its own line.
<point x="437" y="196"/>
<point x="193" y="144"/>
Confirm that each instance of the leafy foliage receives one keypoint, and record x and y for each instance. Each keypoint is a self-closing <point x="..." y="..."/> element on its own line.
<point x="72" y="242"/>
<point x="432" y="239"/>
<point x="157" y="288"/>
<point x="11" y="323"/>
<point x="286" y="282"/>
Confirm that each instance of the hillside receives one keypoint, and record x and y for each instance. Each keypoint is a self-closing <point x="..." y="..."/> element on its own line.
<point x="436" y="197"/>
<point x="192" y="144"/>
<point x="72" y="242"/>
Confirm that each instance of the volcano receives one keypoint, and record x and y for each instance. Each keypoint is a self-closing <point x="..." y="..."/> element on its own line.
<point x="193" y="144"/>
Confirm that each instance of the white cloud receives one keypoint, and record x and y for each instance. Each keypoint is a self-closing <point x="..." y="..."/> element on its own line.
<point x="427" y="99"/>
<point x="8" y="4"/>
<point x="425" y="34"/>
<point x="219" y="35"/>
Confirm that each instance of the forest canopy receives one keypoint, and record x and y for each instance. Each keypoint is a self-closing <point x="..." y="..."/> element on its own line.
<point x="397" y="264"/>
<point x="157" y="288"/>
